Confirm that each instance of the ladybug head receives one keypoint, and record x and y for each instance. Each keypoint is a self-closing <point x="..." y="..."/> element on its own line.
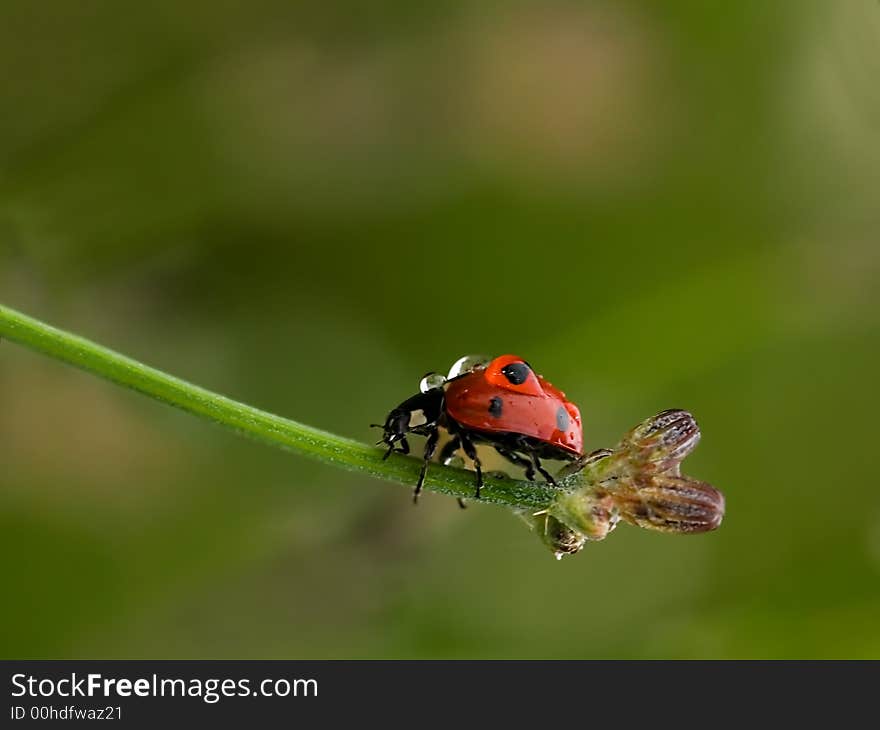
<point x="512" y="373"/>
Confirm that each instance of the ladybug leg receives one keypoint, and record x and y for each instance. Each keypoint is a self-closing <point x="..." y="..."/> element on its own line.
<point x="446" y="453"/>
<point x="430" y="445"/>
<point x="524" y="446"/>
<point x="520" y="461"/>
<point x="401" y="445"/>
<point x="542" y="471"/>
<point x="471" y="452"/>
<point x="449" y="449"/>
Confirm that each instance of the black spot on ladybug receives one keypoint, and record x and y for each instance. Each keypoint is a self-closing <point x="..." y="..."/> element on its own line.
<point x="495" y="406"/>
<point x="516" y="373"/>
<point x="562" y="419"/>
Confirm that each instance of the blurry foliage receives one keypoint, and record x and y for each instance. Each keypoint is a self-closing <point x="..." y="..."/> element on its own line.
<point x="309" y="206"/>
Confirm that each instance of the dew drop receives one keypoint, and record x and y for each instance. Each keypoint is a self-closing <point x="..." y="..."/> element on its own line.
<point x="466" y="364"/>
<point x="431" y="381"/>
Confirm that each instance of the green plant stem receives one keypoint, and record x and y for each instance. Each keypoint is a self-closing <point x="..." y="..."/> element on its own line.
<point x="253" y="422"/>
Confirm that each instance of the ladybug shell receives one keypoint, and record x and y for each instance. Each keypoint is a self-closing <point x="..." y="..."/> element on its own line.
<point x="506" y="396"/>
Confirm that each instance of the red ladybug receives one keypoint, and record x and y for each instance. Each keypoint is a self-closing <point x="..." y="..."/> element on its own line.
<point x="502" y="403"/>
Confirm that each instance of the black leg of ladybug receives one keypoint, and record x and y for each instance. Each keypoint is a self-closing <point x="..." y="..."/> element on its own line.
<point x="449" y="448"/>
<point x="520" y="461"/>
<point x="430" y="445"/>
<point x="524" y="447"/>
<point x="542" y="471"/>
<point x="471" y="452"/>
<point x="401" y="445"/>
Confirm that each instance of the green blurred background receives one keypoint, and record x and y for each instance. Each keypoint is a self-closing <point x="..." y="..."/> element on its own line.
<point x="307" y="206"/>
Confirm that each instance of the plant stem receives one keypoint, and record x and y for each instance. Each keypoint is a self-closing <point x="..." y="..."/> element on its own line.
<point x="253" y="422"/>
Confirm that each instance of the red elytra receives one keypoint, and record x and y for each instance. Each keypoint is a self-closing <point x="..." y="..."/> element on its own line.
<point x="506" y="396"/>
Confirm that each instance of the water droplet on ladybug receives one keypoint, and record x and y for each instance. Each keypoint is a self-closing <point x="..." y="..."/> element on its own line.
<point x="431" y="381"/>
<point x="466" y="364"/>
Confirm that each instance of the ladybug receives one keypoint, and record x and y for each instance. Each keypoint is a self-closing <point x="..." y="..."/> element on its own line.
<point x="500" y="402"/>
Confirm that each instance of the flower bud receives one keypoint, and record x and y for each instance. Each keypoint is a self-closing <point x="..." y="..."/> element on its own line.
<point x="639" y="481"/>
<point x="559" y="537"/>
<point x="659" y="444"/>
<point x="670" y="503"/>
<point x="592" y="513"/>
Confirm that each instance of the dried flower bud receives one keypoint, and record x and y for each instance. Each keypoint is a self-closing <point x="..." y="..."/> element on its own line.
<point x="671" y="503"/>
<point x="639" y="481"/>
<point x="560" y="538"/>
<point x="659" y="444"/>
